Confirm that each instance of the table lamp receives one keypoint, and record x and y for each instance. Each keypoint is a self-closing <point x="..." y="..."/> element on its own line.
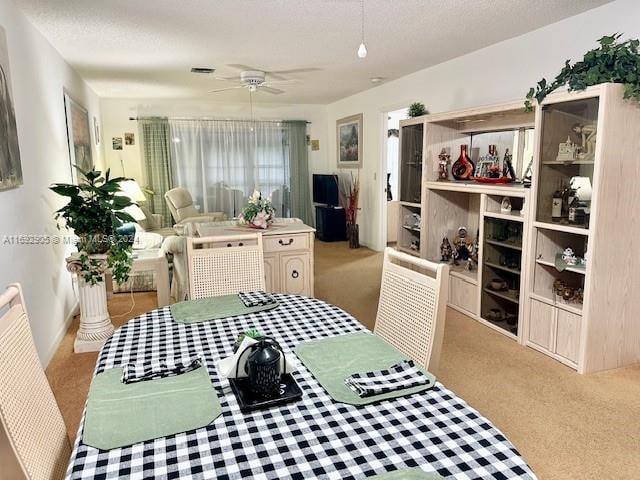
<point x="132" y="190"/>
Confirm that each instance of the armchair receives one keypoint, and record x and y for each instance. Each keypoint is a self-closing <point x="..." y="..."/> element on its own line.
<point x="183" y="210"/>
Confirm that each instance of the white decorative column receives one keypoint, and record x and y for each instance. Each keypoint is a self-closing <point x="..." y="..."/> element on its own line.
<point x="95" y="323"/>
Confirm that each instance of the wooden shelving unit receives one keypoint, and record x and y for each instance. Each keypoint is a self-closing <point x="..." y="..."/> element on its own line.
<point x="602" y="332"/>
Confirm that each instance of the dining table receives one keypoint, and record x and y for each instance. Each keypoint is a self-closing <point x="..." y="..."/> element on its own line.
<point x="313" y="437"/>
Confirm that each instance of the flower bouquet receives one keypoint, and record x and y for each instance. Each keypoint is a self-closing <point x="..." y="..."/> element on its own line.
<point x="259" y="211"/>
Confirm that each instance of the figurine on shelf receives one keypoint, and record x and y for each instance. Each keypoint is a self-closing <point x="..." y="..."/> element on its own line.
<point x="463" y="168"/>
<point x="415" y="245"/>
<point x="462" y="246"/>
<point x="443" y="165"/>
<point x="567" y="151"/>
<point x="588" y="135"/>
<point x="507" y="165"/>
<point x="569" y="257"/>
<point x="505" y="205"/>
<point x="445" y="250"/>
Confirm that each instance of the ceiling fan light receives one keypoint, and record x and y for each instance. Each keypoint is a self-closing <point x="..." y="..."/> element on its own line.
<point x="362" y="50"/>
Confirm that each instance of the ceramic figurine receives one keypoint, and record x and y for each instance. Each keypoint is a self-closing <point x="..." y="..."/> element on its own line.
<point x="507" y="165"/>
<point x="415" y="245"/>
<point x="567" y="151"/>
<point x="505" y="205"/>
<point x="462" y="246"/>
<point x="568" y="256"/>
<point x="445" y="250"/>
<point x="588" y="135"/>
<point x="443" y="165"/>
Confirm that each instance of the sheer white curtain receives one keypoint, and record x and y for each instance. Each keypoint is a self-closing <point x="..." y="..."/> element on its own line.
<point x="222" y="162"/>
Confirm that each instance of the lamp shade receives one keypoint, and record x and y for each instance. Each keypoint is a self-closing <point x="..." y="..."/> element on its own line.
<point x="132" y="190"/>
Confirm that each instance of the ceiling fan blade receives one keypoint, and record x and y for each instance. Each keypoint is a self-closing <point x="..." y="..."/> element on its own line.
<point x="225" y="89"/>
<point x="242" y="68"/>
<point x="280" y="74"/>
<point x="274" y="91"/>
<point x="235" y="78"/>
<point x="268" y="83"/>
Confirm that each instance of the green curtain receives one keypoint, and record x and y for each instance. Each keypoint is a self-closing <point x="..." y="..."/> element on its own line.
<point x="156" y="151"/>
<point x="300" y="200"/>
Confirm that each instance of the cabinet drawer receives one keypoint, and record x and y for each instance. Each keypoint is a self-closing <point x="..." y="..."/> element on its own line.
<point x="463" y="295"/>
<point x="568" y="335"/>
<point x="295" y="274"/>
<point x="541" y="321"/>
<point x="283" y="243"/>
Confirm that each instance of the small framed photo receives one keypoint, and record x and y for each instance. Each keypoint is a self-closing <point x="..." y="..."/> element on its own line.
<point x="349" y="141"/>
<point x="117" y="143"/>
<point x="129" y="139"/>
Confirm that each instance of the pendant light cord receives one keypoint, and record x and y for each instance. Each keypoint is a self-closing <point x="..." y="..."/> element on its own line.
<point x="362" y="19"/>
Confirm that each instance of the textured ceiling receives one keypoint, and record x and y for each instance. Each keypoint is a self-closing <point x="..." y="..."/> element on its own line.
<point x="145" y="48"/>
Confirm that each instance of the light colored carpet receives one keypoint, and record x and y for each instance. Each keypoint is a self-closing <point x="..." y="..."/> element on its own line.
<point x="567" y="426"/>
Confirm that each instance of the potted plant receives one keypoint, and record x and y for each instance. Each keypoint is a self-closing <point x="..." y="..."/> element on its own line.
<point x="259" y="212"/>
<point x="94" y="212"/>
<point x="417" y="109"/>
<point x="613" y="62"/>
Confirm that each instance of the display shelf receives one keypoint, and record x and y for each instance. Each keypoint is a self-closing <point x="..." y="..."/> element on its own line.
<point x="560" y="227"/>
<point x="514" y="216"/>
<point x="502" y="295"/>
<point x="569" y="163"/>
<point x="415" y="253"/>
<point x="413" y="229"/>
<point x="497" y="243"/>
<point x="409" y="204"/>
<point x="575" y="308"/>
<point x="503" y="268"/>
<point x="582" y="270"/>
<point x="466" y="275"/>
<point x="502" y="327"/>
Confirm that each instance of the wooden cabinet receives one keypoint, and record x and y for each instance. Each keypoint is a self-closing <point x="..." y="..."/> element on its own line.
<point x="288" y="255"/>
<point x="555" y="331"/>
<point x="463" y="295"/>
<point x="541" y="319"/>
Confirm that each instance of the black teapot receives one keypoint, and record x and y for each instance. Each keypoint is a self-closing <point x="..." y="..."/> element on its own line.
<point x="263" y="368"/>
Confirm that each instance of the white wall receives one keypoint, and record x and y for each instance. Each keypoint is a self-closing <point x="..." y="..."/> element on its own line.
<point x="38" y="76"/>
<point x="499" y="73"/>
<point x="116" y="113"/>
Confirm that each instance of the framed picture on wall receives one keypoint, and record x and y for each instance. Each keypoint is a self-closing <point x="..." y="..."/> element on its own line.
<point x="10" y="164"/>
<point x="78" y="136"/>
<point x="349" y="141"/>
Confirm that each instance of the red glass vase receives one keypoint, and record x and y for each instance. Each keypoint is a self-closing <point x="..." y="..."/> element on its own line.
<point x="463" y="168"/>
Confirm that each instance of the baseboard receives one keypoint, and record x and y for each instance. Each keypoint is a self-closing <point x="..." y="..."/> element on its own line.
<point x="60" y="335"/>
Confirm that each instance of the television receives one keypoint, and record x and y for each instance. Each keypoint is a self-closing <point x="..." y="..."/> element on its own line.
<point x="325" y="189"/>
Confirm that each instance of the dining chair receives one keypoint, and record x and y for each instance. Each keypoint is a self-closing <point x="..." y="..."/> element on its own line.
<point x="33" y="437"/>
<point x="225" y="265"/>
<point x="412" y="306"/>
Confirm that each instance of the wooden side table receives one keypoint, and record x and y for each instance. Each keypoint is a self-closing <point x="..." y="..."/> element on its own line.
<point x="155" y="261"/>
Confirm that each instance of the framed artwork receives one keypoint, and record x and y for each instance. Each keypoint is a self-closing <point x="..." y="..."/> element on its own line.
<point x="78" y="136"/>
<point x="10" y="165"/>
<point x="129" y="139"/>
<point x="96" y="131"/>
<point x="349" y="141"/>
<point x="116" y="143"/>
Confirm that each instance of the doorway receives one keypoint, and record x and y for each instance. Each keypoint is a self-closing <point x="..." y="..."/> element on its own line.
<point x="391" y="168"/>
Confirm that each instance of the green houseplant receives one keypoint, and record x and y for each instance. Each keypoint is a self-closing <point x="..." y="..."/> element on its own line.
<point x="94" y="212"/>
<point x="613" y="61"/>
<point x="416" y="109"/>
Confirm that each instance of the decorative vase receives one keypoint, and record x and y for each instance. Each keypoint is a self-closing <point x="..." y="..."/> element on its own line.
<point x="463" y="168"/>
<point x="353" y="235"/>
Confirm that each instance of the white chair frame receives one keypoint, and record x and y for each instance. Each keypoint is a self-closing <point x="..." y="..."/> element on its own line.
<point x="224" y="265"/>
<point x="412" y="306"/>
<point x="33" y="437"/>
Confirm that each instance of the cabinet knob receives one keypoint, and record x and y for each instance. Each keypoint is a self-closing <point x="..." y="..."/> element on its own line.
<point x="241" y="244"/>
<point x="295" y="274"/>
<point x="229" y="245"/>
<point x="284" y="244"/>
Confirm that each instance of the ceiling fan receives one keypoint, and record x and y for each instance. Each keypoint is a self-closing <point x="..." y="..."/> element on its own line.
<point x="255" y="80"/>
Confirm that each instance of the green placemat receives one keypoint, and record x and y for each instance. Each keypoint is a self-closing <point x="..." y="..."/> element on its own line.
<point x="120" y="414"/>
<point x="213" y="308"/>
<point x="408" y="474"/>
<point x="333" y="359"/>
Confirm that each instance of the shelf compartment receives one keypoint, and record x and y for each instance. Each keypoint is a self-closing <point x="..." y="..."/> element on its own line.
<point x="411" y="159"/>
<point x="503" y="295"/>
<point x="504" y="244"/>
<point x="415" y="253"/>
<point x="561" y="227"/>
<point x="514" y="216"/>
<point x="503" y="268"/>
<point x="575" y="269"/>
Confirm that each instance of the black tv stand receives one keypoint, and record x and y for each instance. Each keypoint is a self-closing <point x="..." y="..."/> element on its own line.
<point x="331" y="223"/>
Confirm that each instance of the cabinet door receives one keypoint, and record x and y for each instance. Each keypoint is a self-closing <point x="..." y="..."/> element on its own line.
<point x="568" y="335"/>
<point x="271" y="273"/>
<point x="463" y="295"/>
<point x="295" y="274"/>
<point x="541" y="324"/>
